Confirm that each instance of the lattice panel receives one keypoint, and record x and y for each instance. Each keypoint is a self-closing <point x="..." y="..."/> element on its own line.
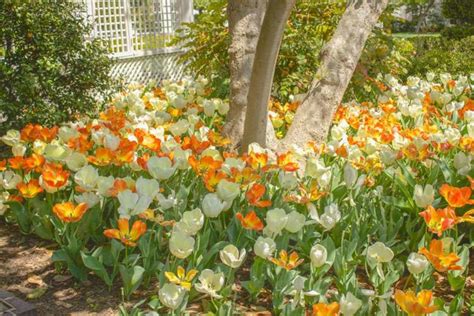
<point x="111" y="24"/>
<point x="146" y="68"/>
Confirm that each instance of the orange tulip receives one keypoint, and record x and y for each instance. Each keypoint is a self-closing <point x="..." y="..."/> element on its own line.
<point x="217" y="139"/>
<point x="456" y="197"/>
<point x="124" y="234"/>
<point x="68" y="212"/>
<point x="212" y="178"/>
<point x="16" y="163"/>
<point x="415" y="305"/>
<point x="3" y="165"/>
<point x="103" y="157"/>
<point x="288" y="263"/>
<point x="204" y="164"/>
<point x="440" y="259"/>
<point x="29" y="190"/>
<point x="32" y="132"/>
<point x="80" y="143"/>
<point x="53" y="176"/>
<point x="439" y="220"/>
<point x="322" y="309"/>
<point x="254" y="195"/>
<point x="195" y="145"/>
<point x="286" y="162"/>
<point x="256" y="160"/>
<point x="250" y="221"/>
<point x="35" y="162"/>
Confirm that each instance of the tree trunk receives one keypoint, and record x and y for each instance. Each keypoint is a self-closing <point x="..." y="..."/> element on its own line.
<point x="423" y="15"/>
<point x="339" y="59"/>
<point x="271" y="34"/>
<point x="245" y="19"/>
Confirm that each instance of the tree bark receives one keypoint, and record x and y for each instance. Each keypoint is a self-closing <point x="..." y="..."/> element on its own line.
<point x="268" y="46"/>
<point x="245" y="20"/>
<point x="423" y="15"/>
<point x="339" y="59"/>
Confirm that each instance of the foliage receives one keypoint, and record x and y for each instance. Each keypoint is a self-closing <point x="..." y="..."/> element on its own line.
<point x="459" y="11"/>
<point x="439" y="55"/>
<point x="458" y="32"/>
<point x="208" y="40"/>
<point x="49" y="71"/>
<point x="148" y="192"/>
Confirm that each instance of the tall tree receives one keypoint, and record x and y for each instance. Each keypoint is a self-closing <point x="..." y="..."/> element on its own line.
<point x="245" y="20"/>
<point x="339" y="60"/>
<point x="250" y="93"/>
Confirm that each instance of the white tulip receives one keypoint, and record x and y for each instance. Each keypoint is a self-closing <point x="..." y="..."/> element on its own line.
<point x="75" y="161"/>
<point x="350" y="304"/>
<point x="9" y="180"/>
<point x="295" y="222"/>
<point x="87" y="177"/>
<point x="171" y="295"/>
<point x="104" y="185"/>
<point x="276" y="220"/>
<point x="330" y="217"/>
<point x="231" y="257"/>
<point x="147" y="187"/>
<point x="227" y="191"/>
<point x="417" y="263"/>
<point x="11" y="138"/>
<point x="264" y="247"/>
<point x="193" y="221"/>
<point x="160" y="168"/>
<point x="287" y="180"/>
<point x="167" y="202"/>
<point x="350" y="175"/>
<point x="111" y="142"/>
<point x="462" y="163"/>
<point x="132" y="203"/>
<point x="18" y="150"/>
<point x="181" y="245"/>
<point x="380" y="253"/>
<point x="210" y="283"/>
<point x="55" y="151"/>
<point x="423" y="196"/>
<point x="90" y="198"/>
<point x="318" y="255"/>
<point x="212" y="205"/>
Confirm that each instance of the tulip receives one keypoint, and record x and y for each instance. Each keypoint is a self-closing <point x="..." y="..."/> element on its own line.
<point x="318" y="255"/>
<point x="105" y="185"/>
<point x="379" y="253"/>
<point x="322" y="309"/>
<point x="210" y="283"/>
<point x="132" y="203"/>
<point x="147" y="187"/>
<point x="230" y="256"/>
<point x="264" y="247"/>
<point x="417" y="263"/>
<point x="295" y="222"/>
<point x="181" y="245"/>
<point x="413" y="304"/>
<point x="287" y="180"/>
<point x="87" y="178"/>
<point x="127" y="236"/>
<point x="160" y="168"/>
<point x="227" y="191"/>
<point x="3" y="198"/>
<point x="11" y="138"/>
<point x="9" y="180"/>
<point x="68" y="212"/>
<point x="350" y="304"/>
<point x="75" y="161"/>
<point x="171" y="295"/>
<point x="182" y="278"/>
<point x="212" y="205"/>
<point x="350" y="175"/>
<point x="462" y="163"/>
<point x="193" y="221"/>
<point x="276" y="220"/>
<point x="56" y="152"/>
<point x="89" y="198"/>
<point x="18" y="150"/>
<point x="166" y="202"/>
<point x="330" y="217"/>
<point x="423" y="196"/>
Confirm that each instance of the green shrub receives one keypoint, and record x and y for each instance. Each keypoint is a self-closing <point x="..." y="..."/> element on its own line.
<point x="458" y="31"/>
<point x="459" y="11"/>
<point x="207" y="41"/>
<point x="50" y="71"/>
<point x="439" y="55"/>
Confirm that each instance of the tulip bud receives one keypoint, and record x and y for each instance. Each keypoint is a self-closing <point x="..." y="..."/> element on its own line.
<point x="318" y="255"/>
<point x="416" y="263"/>
<point x="264" y="247"/>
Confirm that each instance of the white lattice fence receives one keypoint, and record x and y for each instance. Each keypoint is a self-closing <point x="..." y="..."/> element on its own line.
<point x="138" y="32"/>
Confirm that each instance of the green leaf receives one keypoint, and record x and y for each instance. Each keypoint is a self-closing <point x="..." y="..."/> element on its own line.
<point x="95" y="265"/>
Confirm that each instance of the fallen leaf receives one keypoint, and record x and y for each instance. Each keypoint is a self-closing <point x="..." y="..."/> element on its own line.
<point x="35" y="279"/>
<point x="37" y="293"/>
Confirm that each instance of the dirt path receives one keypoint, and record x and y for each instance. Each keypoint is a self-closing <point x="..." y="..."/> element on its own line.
<point x="25" y="265"/>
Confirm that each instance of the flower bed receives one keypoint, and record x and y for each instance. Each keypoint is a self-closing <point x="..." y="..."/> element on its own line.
<point x="147" y="193"/>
